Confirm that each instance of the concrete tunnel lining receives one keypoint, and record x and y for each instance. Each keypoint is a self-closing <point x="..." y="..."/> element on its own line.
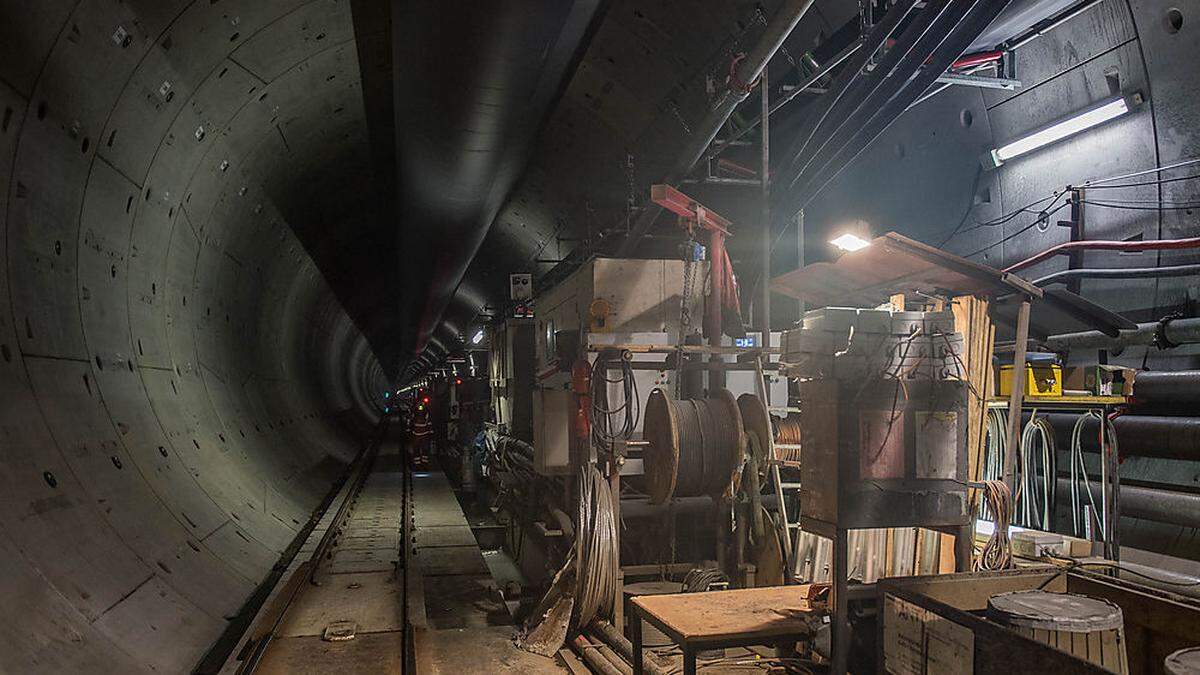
<point x="181" y="385"/>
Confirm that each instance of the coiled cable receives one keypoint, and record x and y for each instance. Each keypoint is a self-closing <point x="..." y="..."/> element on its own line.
<point x="1036" y="491"/>
<point x="997" y="552"/>
<point x="596" y="552"/>
<point x="604" y="432"/>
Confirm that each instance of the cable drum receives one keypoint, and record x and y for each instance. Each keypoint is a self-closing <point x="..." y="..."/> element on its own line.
<point x="695" y="445"/>
<point x="787" y="433"/>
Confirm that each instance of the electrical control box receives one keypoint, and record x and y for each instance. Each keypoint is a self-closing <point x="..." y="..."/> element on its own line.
<point x="607" y="301"/>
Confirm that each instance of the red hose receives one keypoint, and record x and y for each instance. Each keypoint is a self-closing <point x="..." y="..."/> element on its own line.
<point x="1150" y="245"/>
<point x="976" y="59"/>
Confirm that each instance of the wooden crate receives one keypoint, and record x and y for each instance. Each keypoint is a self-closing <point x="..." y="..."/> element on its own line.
<point x="947" y="611"/>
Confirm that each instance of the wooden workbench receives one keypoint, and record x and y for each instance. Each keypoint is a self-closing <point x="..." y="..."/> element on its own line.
<point x="736" y="618"/>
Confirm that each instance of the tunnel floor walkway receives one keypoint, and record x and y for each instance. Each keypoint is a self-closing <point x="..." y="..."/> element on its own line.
<point x="357" y="592"/>
<point x="460" y="623"/>
<point x="367" y="589"/>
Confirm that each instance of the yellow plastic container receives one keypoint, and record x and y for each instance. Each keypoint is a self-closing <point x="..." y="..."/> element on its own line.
<point x="1040" y="380"/>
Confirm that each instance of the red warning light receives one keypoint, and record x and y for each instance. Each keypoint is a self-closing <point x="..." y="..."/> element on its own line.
<point x="425" y="400"/>
<point x="458" y="380"/>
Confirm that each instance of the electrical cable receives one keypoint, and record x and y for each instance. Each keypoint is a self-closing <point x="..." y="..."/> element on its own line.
<point x="1118" y="273"/>
<point x="997" y="552"/>
<point x="596" y="553"/>
<point x="996" y="438"/>
<point x="1143" y="172"/>
<point x="1035" y="514"/>
<point x="1042" y="218"/>
<point x="1180" y="206"/>
<point x="1161" y="181"/>
<point x="603" y="434"/>
<point x="1079" y="470"/>
<point x="1075" y="563"/>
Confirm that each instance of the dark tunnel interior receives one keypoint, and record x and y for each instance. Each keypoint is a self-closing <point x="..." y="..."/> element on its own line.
<point x="228" y="226"/>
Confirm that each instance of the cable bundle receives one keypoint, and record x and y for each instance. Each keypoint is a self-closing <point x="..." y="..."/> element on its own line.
<point x="701" y="579"/>
<point x="596" y="552"/>
<point x="997" y="552"/>
<point x="603" y="433"/>
<point x="1035" y="495"/>
<point x="1108" y="444"/>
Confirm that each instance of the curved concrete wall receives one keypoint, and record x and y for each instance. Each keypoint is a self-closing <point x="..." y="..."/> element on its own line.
<point x="178" y="386"/>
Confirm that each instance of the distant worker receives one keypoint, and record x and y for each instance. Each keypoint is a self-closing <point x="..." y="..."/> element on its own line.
<point x="422" y="435"/>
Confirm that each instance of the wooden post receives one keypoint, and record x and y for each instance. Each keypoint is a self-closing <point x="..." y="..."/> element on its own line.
<point x="1017" y="395"/>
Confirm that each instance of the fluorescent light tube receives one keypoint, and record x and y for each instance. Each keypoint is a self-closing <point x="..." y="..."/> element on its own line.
<point x="1070" y="126"/>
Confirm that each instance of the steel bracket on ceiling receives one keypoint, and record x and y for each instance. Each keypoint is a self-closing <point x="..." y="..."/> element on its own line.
<point x="983" y="81"/>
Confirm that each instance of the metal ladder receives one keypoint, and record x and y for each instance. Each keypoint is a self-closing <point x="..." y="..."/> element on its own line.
<point x="790" y="529"/>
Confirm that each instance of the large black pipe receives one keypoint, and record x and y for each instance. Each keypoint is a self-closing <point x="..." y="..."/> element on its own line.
<point x="1160" y="506"/>
<point x="1154" y="436"/>
<point x="1181" y="386"/>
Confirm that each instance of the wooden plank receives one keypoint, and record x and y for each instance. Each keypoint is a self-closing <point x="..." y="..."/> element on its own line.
<point x="749" y="613"/>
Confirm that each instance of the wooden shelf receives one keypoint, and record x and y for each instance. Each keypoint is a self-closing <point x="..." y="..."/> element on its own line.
<point x="1041" y="401"/>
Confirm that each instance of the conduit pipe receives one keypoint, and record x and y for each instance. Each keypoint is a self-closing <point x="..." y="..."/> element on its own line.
<point x="1175" y="331"/>
<point x="1106" y="245"/>
<point x="1154" y="504"/>
<point x="613" y="637"/>
<point x="591" y="655"/>
<point x="1180" y="386"/>
<point x="1156" y="436"/>
<point x="748" y="69"/>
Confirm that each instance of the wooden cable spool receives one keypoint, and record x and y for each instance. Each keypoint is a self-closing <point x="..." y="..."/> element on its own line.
<point x="1090" y="628"/>
<point x="756" y="422"/>
<point x="787" y="433"/>
<point x="695" y="445"/>
<point x="1183" y="662"/>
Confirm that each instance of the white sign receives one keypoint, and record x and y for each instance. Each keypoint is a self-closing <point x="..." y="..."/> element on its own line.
<point x="520" y="286"/>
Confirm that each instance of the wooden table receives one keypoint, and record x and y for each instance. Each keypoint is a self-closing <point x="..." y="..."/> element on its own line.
<point x="717" y="619"/>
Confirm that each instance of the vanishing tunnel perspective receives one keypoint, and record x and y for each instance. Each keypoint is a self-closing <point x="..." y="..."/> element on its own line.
<point x="608" y="336"/>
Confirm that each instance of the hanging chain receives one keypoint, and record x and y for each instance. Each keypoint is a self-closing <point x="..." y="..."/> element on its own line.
<point x="689" y="282"/>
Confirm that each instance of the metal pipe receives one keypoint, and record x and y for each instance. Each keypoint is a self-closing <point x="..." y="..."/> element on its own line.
<point x="1175" y="331"/>
<point x="591" y="654"/>
<point x="613" y="637"/>
<point x="1154" y="504"/>
<point x="1049" y="24"/>
<point x="805" y="86"/>
<point x="1156" y="436"/>
<point x="612" y="657"/>
<point x="1181" y="386"/>
<point x="640" y="507"/>
<point x="748" y="70"/>
<point x="1118" y="273"/>
<point x="714" y="306"/>
<point x="765" y="277"/>
<point x="1106" y="245"/>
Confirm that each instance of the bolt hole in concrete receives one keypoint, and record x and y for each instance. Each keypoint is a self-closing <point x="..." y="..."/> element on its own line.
<point x="50" y="479"/>
<point x="116" y="462"/>
<point x="6" y="353"/>
<point x="966" y="118"/>
<point x="162" y="451"/>
<point x="1173" y="20"/>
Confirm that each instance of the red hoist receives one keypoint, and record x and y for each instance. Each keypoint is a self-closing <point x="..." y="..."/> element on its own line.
<point x="723" y="296"/>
